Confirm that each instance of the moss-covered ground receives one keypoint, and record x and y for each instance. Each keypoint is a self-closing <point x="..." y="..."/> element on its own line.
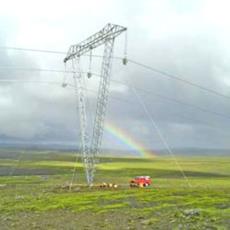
<point x="34" y="195"/>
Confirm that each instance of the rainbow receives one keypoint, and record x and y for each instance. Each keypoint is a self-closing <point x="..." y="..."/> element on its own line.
<point x="126" y="139"/>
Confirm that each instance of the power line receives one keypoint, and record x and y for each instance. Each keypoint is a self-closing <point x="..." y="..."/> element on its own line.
<point x="58" y="84"/>
<point x="211" y="125"/>
<point x="26" y="81"/>
<point x="31" y="50"/>
<point x="150" y="93"/>
<point x="163" y="73"/>
<point x="46" y="51"/>
<point x="35" y="69"/>
<point x="147" y="92"/>
<point x="43" y="70"/>
<point x="184" y="81"/>
<point x="185" y="103"/>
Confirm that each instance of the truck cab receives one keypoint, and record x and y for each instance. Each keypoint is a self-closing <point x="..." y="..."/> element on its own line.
<point x="141" y="181"/>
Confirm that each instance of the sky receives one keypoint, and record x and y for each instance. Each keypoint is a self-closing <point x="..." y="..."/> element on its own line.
<point x="189" y="39"/>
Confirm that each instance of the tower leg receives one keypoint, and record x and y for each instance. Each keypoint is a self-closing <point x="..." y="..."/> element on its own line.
<point x="79" y="83"/>
<point x="102" y="100"/>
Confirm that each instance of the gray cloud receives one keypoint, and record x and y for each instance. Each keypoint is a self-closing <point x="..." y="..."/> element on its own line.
<point x="178" y="41"/>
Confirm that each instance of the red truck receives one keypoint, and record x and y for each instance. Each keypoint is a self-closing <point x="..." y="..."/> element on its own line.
<point x="141" y="181"/>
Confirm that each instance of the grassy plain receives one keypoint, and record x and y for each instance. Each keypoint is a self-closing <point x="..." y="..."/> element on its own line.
<point x="33" y="196"/>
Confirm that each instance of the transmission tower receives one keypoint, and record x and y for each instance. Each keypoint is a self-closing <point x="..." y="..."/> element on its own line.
<point x="105" y="37"/>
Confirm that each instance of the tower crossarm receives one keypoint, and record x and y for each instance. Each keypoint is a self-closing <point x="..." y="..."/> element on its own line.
<point x="110" y="31"/>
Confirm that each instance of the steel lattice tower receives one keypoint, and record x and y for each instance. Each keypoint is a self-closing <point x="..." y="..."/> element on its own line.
<point x="105" y="37"/>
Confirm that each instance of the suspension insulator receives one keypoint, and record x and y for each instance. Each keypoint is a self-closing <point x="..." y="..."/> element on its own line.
<point x="89" y="74"/>
<point x="125" y="61"/>
<point x="64" y="85"/>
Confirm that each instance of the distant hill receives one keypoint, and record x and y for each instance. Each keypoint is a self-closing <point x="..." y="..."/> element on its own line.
<point x="24" y="145"/>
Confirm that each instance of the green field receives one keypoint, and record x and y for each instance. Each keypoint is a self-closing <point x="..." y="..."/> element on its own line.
<point x="34" y="194"/>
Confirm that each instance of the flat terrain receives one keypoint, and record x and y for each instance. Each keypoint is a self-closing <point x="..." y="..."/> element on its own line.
<point x="34" y="193"/>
